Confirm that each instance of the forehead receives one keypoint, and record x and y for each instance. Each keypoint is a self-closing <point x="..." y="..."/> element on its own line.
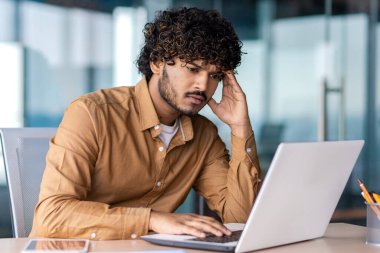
<point x="208" y="67"/>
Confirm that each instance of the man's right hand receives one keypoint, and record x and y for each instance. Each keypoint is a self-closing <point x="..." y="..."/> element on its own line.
<point x="191" y="224"/>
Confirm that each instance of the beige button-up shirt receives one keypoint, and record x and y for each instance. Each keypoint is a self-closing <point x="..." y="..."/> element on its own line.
<point x="106" y="169"/>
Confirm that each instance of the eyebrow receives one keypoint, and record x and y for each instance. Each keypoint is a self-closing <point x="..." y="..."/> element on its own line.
<point x="212" y="72"/>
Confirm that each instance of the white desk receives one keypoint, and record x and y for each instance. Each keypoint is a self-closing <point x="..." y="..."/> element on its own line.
<point x="339" y="238"/>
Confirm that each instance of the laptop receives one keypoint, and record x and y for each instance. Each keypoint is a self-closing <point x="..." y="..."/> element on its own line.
<point x="296" y="201"/>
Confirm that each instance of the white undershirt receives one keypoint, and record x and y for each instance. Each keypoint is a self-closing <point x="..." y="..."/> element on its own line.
<point x="168" y="132"/>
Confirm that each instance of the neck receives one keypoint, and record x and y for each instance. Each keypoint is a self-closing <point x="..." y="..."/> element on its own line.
<point x="166" y="114"/>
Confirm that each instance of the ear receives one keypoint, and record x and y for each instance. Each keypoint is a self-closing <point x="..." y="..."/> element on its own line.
<point x="156" y="66"/>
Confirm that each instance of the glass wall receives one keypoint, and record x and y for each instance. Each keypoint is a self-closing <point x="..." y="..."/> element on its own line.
<point x="309" y="72"/>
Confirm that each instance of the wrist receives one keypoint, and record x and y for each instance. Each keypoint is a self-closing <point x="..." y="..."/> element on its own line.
<point x="243" y="131"/>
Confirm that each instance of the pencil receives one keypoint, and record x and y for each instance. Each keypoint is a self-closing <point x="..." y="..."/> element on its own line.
<point x="368" y="198"/>
<point x="374" y="208"/>
<point x="376" y="197"/>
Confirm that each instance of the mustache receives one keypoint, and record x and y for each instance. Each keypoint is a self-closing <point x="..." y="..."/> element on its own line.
<point x="199" y="93"/>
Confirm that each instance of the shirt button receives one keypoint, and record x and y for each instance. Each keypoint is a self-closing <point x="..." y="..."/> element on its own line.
<point x="133" y="236"/>
<point x="161" y="149"/>
<point x="158" y="184"/>
<point x="249" y="150"/>
<point x="93" y="235"/>
<point x="157" y="127"/>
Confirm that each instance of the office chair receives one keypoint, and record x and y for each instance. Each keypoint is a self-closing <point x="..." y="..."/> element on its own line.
<point x="24" y="151"/>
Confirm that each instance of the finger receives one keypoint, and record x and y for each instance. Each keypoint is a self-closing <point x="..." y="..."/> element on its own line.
<point x="204" y="227"/>
<point x="190" y="230"/>
<point x="231" y="80"/>
<point x="218" y="225"/>
<point x="222" y="228"/>
<point x="204" y="223"/>
<point x="211" y="225"/>
<point x="214" y="228"/>
<point x="213" y="104"/>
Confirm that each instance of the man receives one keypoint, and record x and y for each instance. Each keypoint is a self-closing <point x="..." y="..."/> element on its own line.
<point x="125" y="158"/>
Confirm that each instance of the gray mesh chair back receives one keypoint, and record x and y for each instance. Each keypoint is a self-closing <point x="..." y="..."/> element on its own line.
<point x="24" y="151"/>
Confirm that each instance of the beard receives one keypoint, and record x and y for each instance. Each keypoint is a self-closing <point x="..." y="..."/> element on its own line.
<point x="170" y="96"/>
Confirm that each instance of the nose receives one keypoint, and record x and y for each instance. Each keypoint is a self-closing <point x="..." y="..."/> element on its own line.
<point x="202" y="81"/>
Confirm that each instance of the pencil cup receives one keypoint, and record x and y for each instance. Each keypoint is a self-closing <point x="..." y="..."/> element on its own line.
<point x="373" y="224"/>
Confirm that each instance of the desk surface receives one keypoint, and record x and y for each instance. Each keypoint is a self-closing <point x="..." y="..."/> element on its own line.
<point x="339" y="237"/>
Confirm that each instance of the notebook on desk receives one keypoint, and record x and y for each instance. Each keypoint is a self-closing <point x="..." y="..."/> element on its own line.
<point x="296" y="201"/>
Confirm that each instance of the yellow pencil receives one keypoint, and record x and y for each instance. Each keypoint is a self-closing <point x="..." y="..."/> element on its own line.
<point x="368" y="198"/>
<point x="376" y="197"/>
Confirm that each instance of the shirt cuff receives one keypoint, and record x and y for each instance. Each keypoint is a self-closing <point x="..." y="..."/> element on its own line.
<point x="136" y="223"/>
<point x="243" y="148"/>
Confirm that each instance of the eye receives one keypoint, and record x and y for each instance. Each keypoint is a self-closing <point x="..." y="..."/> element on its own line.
<point x="193" y="69"/>
<point x="218" y="76"/>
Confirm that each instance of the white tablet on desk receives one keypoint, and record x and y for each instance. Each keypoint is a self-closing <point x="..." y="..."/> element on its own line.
<point x="56" y="246"/>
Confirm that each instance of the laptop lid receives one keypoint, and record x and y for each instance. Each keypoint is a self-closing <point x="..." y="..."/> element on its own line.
<point x="300" y="193"/>
<point x="296" y="201"/>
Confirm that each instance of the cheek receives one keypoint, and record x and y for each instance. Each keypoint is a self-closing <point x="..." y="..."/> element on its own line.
<point x="212" y="89"/>
<point x="177" y="79"/>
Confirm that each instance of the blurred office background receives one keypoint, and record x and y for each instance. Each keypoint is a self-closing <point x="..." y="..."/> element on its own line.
<point x="310" y="72"/>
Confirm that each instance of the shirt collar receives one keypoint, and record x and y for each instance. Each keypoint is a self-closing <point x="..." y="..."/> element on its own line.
<point x="148" y="115"/>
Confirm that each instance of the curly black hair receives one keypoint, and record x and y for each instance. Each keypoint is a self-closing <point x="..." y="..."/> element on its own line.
<point x="190" y="34"/>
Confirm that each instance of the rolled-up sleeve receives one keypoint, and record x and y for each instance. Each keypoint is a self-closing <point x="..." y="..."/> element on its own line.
<point x="62" y="210"/>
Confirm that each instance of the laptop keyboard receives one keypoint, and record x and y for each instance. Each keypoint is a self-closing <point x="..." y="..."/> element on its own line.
<point x="222" y="239"/>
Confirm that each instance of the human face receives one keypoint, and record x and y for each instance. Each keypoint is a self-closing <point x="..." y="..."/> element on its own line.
<point x="187" y="87"/>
